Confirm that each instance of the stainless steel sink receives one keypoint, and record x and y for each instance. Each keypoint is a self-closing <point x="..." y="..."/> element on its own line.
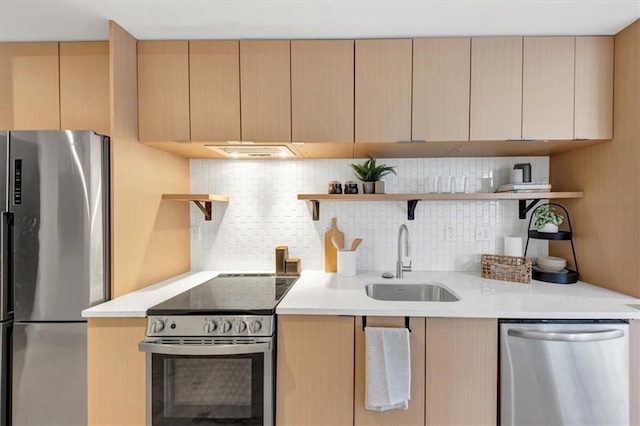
<point x="410" y="292"/>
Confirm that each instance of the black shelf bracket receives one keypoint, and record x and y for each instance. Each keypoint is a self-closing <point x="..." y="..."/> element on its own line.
<point x="406" y="323"/>
<point x="315" y="204"/>
<point x="204" y="208"/>
<point x="524" y="208"/>
<point x="411" y="209"/>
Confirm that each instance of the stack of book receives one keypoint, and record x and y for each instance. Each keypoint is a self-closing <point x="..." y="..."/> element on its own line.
<point x="525" y="187"/>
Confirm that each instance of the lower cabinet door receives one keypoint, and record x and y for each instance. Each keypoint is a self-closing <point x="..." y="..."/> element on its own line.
<point x="314" y="371"/>
<point x="415" y="414"/>
<point x="462" y="371"/>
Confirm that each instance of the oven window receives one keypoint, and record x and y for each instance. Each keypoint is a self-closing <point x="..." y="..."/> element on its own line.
<point x="209" y="390"/>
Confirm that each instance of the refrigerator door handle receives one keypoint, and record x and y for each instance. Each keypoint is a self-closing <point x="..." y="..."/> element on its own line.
<point x="590" y="336"/>
<point x="7" y="249"/>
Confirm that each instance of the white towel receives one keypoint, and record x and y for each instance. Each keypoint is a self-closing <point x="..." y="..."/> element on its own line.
<point x="388" y="369"/>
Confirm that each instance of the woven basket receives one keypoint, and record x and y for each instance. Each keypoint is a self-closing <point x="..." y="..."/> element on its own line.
<point x="514" y="269"/>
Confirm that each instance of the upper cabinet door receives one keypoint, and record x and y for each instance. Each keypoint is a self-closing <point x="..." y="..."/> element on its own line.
<point x="594" y="88"/>
<point x="441" y="80"/>
<point x="548" y="87"/>
<point x="163" y="90"/>
<point x="496" y="88"/>
<point x="29" y="86"/>
<point x="214" y="69"/>
<point x="265" y="82"/>
<point x="383" y="90"/>
<point x="84" y="86"/>
<point x="322" y="90"/>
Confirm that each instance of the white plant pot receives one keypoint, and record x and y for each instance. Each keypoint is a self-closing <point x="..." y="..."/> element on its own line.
<point x="549" y="228"/>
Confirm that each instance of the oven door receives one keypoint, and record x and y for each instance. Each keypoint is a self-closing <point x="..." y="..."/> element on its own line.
<point x="209" y="381"/>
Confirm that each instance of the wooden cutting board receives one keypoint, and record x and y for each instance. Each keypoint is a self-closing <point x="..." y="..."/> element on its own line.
<point x="330" y="252"/>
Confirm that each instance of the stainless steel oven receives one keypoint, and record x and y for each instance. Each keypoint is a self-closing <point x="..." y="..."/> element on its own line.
<point x="209" y="381"/>
<point x="211" y="351"/>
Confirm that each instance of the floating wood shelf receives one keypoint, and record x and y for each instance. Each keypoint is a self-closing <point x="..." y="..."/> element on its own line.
<point x="412" y="199"/>
<point x="202" y="201"/>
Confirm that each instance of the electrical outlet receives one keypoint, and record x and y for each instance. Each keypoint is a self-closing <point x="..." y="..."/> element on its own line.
<point x="482" y="233"/>
<point x="449" y="233"/>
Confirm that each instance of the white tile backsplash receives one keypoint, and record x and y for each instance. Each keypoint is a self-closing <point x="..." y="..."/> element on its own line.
<point x="264" y="212"/>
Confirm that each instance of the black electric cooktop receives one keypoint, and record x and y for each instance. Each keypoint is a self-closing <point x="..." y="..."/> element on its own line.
<point x="229" y="294"/>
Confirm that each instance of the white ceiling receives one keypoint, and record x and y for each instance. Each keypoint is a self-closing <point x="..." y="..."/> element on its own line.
<point x="33" y="20"/>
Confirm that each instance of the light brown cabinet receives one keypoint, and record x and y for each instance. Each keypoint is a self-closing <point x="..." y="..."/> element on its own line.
<point x="214" y="87"/>
<point x="265" y="81"/>
<point x="29" y="86"/>
<point x="548" y="87"/>
<point x="383" y="90"/>
<point x="116" y="371"/>
<point x="315" y="370"/>
<point x="462" y="371"/>
<point x="322" y="90"/>
<point x="441" y="80"/>
<point x="454" y="371"/>
<point x="496" y="88"/>
<point x="415" y="414"/>
<point x="594" y="88"/>
<point x="163" y="90"/>
<point x="84" y="86"/>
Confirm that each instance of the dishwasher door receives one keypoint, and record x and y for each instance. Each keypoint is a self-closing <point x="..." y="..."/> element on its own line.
<point x="564" y="373"/>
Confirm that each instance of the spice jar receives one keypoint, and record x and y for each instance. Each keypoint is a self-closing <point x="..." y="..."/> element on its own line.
<point x="335" y="187"/>
<point x="350" y="187"/>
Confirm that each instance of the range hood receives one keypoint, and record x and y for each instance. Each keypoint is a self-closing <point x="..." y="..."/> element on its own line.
<point x="253" y="151"/>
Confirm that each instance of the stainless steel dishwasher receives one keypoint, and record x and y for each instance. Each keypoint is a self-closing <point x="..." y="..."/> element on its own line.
<point x="564" y="372"/>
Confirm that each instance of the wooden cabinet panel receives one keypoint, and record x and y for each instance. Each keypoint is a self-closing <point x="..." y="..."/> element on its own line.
<point x="265" y="82"/>
<point x="29" y="86"/>
<point x="594" y="88"/>
<point x="116" y="371"/>
<point x="322" y="90"/>
<point x="548" y="87"/>
<point x="315" y="370"/>
<point x="496" y="88"/>
<point x="441" y="84"/>
<point x="163" y="90"/>
<point x="415" y="414"/>
<point x="383" y="90"/>
<point x="462" y="371"/>
<point x="214" y="70"/>
<point x="84" y="86"/>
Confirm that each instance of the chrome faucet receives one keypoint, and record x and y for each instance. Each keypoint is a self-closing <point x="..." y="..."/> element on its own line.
<point x="400" y="268"/>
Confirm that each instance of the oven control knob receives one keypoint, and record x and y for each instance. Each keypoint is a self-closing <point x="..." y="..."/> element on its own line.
<point x="225" y="326"/>
<point x="157" y="326"/>
<point x="240" y="326"/>
<point x="255" y="326"/>
<point x="209" y="327"/>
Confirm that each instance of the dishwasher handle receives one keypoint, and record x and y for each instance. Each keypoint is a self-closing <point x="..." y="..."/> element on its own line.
<point x="590" y="336"/>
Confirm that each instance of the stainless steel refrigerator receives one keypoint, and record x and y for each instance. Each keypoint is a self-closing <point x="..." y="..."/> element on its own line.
<point x="55" y="263"/>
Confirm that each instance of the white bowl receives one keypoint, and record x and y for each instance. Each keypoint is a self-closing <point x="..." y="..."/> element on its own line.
<point x="552" y="264"/>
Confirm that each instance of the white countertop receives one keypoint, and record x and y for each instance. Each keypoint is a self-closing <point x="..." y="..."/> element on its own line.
<point x="136" y="304"/>
<point x="320" y="293"/>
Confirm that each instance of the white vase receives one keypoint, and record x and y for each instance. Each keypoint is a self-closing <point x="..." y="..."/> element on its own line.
<point x="549" y="228"/>
<point x="380" y="187"/>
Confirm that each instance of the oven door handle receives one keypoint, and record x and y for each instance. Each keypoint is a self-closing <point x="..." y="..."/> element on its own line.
<point x="169" y="349"/>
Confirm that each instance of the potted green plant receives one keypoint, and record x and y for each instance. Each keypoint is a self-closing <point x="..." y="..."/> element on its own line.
<point x="546" y="219"/>
<point x="370" y="172"/>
